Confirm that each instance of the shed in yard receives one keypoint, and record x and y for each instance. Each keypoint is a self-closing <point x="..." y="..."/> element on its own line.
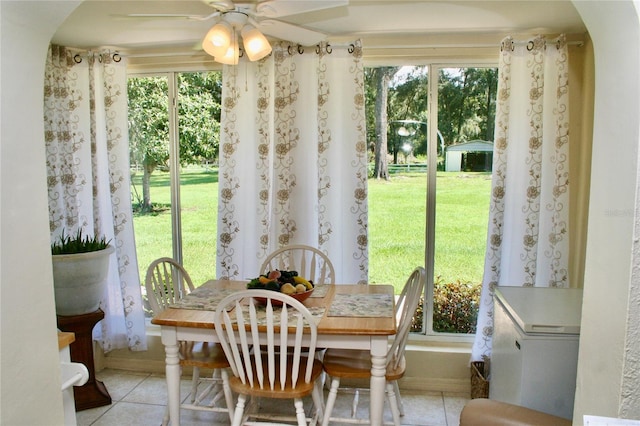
<point x="472" y="156"/>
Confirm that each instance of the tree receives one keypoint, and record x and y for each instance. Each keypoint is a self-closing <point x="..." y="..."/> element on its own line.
<point x="199" y="111"/>
<point x="199" y="99"/>
<point x="148" y="128"/>
<point x="380" y="78"/>
<point x="408" y="100"/>
<point x="466" y="103"/>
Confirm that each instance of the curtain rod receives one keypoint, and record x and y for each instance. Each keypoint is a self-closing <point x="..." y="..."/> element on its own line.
<point x="457" y="46"/>
<point x="197" y="52"/>
<point x="365" y="47"/>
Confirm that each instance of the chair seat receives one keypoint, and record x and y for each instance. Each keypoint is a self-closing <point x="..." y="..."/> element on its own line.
<point x="302" y="389"/>
<point x="202" y="354"/>
<point x="356" y="364"/>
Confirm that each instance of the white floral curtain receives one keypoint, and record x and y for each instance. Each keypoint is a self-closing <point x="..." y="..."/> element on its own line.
<point x="527" y="239"/>
<point x="85" y="114"/>
<point x="293" y="159"/>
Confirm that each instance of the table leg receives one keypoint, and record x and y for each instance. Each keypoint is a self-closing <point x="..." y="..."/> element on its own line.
<point x="378" y="381"/>
<point x="172" y="371"/>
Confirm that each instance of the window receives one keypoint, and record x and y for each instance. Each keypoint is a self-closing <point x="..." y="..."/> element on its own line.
<point x="437" y="210"/>
<point x="432" y="212"/>
<point x="174" y="133"/>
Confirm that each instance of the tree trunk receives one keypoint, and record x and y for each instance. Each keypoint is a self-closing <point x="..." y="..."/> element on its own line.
<point x="146" y="185"/>
<point x="490" y="115"/>
<point x="381" y="78"/>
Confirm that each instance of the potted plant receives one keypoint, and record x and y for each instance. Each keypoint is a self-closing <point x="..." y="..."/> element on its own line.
<point x="80" y="267"/>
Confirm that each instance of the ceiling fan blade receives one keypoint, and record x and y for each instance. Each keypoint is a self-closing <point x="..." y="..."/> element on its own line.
<point x="221" y="5"/>
<point x="280" y="8"/>
<point x="173" y="16"/>
<point x="290" y="32"/>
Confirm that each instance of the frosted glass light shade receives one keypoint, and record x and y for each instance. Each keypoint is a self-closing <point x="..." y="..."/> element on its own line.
<point x="255" y="43"/>
<point x="218" y="39"/>
<point x="231" y="55"/>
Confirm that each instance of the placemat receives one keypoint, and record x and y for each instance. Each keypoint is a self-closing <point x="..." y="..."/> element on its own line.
<point x="361" y="305"/>
<point x="320" y="290"/>
<point x="203" y="298"/>
<point x="261" y="315"/>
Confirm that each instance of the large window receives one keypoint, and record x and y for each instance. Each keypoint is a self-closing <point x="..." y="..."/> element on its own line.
<point x="429" y="208"/>
<point x="174" y="133"/>
<point x="459" y="204"/>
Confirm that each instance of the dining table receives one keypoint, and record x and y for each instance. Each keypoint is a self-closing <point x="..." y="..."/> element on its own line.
<point x="349" y="316"/>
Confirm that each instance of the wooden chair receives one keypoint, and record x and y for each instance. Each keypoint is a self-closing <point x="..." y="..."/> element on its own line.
<point x="167" y="282"/>
<point x="356" y="364"/>
<point x="310" y="263"/>
<point x="253" y="332"/>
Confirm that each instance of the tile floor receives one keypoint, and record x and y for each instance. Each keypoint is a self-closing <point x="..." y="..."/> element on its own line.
<point x="140" y="398"/>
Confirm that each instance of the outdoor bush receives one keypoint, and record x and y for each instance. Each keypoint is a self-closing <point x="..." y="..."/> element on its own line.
<point x="455" y="306"/>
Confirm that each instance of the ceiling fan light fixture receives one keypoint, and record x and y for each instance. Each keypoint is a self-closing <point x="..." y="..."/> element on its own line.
<point x="231" y="55"/>
<point x="255" y="43"/>
<point x="218" y="39"/>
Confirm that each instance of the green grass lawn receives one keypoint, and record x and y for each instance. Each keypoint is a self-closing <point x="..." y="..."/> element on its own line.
<point x="397" y="210"/>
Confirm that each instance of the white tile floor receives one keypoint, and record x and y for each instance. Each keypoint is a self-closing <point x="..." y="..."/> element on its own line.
<point x="139" y="399"/>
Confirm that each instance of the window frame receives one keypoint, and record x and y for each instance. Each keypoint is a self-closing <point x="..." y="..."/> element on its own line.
<point x="427" y="333"/>
<point x="433" y="68"/>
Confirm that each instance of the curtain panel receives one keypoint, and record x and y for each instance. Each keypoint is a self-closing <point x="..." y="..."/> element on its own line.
<point x="527" y="238"/>
<point x="293" y="159"/>
<point x="88" y="177"/>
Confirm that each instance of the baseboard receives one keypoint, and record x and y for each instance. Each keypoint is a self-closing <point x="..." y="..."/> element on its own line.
<point x="436" y="368"/>
<point x="456" y="386"/>
<point x="137" y="365"/>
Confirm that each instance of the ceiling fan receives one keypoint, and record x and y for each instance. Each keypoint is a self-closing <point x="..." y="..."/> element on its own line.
<point x="252" y="21"/>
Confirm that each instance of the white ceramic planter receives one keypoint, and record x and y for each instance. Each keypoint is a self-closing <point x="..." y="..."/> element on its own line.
<point x="78" y="281"/>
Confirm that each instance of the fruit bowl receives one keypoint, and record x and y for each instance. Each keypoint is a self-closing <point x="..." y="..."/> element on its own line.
<point x="298" y="296"/>
<point x="286" y="282"/>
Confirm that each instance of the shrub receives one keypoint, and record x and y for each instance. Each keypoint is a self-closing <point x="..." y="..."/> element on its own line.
<point x="455" y="307"/>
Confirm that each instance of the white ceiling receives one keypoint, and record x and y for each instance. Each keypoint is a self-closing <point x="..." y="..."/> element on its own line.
<point x="391" y="25"/>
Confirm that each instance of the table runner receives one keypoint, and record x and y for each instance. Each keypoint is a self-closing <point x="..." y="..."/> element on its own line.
<point x="320" y="290"/>
<point x="207" y="299"/>
<point x="203" y="298"/>
<point x="261" y="311"/>
<point x="361" y="305"/>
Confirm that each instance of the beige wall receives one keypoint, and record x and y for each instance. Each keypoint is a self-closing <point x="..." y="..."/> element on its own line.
<point x="609" y="338"/>
<point x="581" y="87"/>
<point x="30" y="373"/>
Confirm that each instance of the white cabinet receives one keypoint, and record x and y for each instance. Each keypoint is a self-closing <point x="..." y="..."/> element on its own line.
<point x="535" y="348"/>
<point x="72" y="374"/>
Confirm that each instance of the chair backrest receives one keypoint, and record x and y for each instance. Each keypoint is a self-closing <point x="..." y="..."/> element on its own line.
<point x="166" y="282"/>
<point x="252" y="330"/>
<point x="406" y="306"/>
<point x="308" y="261"/>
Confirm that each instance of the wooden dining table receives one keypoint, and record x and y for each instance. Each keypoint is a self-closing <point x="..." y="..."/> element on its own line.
<point x="351" y="316"/>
